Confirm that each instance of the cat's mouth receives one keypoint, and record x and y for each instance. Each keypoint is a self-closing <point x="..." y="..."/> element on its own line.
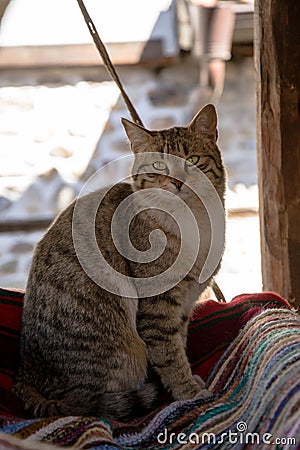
<point x="178" y="188"/>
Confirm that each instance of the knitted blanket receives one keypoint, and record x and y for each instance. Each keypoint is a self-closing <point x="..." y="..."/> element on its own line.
<point x="249" y="352"/>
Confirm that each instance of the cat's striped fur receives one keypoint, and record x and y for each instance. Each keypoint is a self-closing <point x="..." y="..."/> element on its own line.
<point x="87" y="351"/>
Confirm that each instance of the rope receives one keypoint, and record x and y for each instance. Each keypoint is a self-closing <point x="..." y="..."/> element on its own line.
<point x="107" y="62"/>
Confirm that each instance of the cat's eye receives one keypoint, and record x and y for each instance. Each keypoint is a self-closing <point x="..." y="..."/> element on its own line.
<point x="159" y="165"/>
<point x="194" y="159"/>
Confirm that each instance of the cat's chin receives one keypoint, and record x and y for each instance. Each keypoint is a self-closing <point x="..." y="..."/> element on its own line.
<point x="183" y="194"/>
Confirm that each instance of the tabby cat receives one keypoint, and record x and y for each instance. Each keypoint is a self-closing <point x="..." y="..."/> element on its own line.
<point x="88" y="351"/>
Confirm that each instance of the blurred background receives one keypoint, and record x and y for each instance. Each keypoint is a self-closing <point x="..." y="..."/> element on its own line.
<point x="60" y="112"/>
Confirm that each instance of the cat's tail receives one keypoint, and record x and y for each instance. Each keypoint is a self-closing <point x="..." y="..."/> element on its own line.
<point x="127" y="405"/>
<point x="123" y="406"/>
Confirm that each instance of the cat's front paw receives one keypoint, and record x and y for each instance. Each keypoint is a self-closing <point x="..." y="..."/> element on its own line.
<point x="199" y="381"/>
<point x="204" y="393"/>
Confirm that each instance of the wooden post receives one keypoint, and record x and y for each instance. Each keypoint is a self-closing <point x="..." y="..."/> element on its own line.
<point x="277" y="58"/>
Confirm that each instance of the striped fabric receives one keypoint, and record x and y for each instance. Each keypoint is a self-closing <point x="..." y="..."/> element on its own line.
<point x="11" y="303"/>
<point x="250" y="351"/>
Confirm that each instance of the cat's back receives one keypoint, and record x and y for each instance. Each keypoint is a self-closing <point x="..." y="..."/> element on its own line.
<point x="91" y="210"/>
<point x="60" y="294"/>
<point x="56" y="266"/>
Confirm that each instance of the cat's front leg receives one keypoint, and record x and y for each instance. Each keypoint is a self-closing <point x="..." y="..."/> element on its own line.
<point x="170" y="362"/>
<point x="166" y="354"/>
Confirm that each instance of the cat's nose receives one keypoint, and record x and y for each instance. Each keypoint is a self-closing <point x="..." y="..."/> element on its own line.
<point x="177" y="183"/>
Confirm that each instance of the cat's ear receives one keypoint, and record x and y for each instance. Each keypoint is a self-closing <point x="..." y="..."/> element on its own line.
<point x="138" y="136"/>
<point x="205" y="121"/>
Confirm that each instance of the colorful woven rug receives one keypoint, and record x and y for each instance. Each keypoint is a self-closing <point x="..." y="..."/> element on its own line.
<point x="249" y="351"/>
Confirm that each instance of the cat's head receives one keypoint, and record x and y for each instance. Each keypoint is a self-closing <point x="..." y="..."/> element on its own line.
<point x="193" y="146"/>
